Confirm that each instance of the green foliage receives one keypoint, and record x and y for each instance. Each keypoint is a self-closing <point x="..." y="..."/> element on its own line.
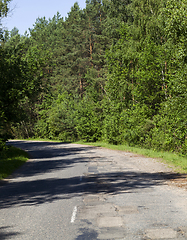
<point x="58" y="122"/>
<point x="130" y="126"/>
<point x="4" y="8"/>
<point x="137" y="124"/>
<point x="11" y="158"/>
<point x="112" y="124"/>
<point x="147" y="79"/>
<point x="174" y="15"/>
<point x="88" y="120"/>
<point x="150" y="76"/>
<point x="170" y="132"/>
<point x="115" y="70"/>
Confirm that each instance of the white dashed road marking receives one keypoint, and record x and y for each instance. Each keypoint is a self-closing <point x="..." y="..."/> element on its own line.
<point x="74" y="214"/>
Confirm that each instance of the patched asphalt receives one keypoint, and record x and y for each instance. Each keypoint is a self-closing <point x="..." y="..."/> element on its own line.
<point x="117" y="195"/>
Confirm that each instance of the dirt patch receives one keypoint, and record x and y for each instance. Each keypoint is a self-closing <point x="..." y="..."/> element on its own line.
<point x="180" y="182"/>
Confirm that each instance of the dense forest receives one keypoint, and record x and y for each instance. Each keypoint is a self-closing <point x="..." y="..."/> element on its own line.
<point x="115" y="71"/>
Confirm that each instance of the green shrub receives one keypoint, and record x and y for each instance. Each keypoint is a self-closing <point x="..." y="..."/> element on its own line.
<point x="57" y="122"/>
<point x="170" y="132"/>
<point x="88" y="120"/>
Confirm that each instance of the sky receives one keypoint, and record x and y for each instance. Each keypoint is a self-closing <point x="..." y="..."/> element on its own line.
<point x="24" y="13"/>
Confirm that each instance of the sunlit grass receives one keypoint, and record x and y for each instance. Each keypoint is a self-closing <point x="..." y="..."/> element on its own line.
<point x="11" y="158"/>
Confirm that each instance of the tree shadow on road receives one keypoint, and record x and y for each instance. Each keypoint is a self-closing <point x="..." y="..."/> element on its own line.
<point x="6" y="234"/>
<point x="87" y="234"/>
<point x="49" y="156"/>
<point x="53" y="189"/>
<point x="33" y="191"/>
<point x="41" y="150"/>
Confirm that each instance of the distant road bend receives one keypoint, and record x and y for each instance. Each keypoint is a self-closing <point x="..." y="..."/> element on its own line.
<point x="78" y="192"/>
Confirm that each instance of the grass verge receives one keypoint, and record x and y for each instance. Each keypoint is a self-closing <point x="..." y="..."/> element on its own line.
<point x="11" y="158"/>
<point x="176" y="161"/>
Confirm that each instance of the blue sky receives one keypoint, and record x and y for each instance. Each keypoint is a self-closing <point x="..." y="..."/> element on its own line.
<point x="25" y="12"/>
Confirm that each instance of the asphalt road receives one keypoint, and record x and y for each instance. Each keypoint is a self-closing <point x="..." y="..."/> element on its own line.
<point x="77" y="192"/>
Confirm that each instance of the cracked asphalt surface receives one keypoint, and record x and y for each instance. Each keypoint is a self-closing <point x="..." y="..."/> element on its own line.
<point x="78" y="192"/>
